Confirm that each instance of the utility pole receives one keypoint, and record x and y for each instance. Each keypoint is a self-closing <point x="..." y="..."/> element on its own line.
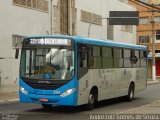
<point x="153" y="44"/>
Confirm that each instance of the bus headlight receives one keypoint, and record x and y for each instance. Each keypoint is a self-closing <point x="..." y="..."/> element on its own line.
<point x="67" y="92"/>
<point x="23" y="90"/>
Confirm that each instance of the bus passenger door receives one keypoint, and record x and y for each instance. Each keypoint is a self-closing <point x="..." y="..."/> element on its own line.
<point x="83" y="75"/>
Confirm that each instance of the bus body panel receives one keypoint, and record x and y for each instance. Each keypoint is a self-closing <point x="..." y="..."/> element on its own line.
<point x="141" y="79"/>
<point x="111" y="83"/>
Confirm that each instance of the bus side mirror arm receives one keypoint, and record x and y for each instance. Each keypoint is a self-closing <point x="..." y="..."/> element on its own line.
<point x="17" y="54"/>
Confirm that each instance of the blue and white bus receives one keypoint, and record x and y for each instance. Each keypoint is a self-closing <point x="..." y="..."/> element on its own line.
<point x="71" y="70"/>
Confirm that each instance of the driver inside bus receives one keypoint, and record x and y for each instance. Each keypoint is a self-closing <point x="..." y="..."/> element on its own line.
<point x="48" y="68"/>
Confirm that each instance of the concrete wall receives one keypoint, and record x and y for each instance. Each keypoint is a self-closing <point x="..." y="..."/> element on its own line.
<point x="15" y="20"/>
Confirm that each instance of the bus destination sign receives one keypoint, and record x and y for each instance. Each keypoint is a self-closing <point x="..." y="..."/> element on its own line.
<point x="47" y="41"/>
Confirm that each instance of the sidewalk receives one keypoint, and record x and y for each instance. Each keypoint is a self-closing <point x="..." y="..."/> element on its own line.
<point x="8" y="97"/>
<point x="8" y="93"/>
<point x="150" y="81"/>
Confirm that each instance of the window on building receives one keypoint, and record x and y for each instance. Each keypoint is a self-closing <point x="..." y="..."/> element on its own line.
<point x="157" y="19"/>
<point x="143" y="39"/>
<point x="17" y="41"/>
<point x="143" y="20"/>
<point x="157" y="34"/>
<point x="41" y="5"/>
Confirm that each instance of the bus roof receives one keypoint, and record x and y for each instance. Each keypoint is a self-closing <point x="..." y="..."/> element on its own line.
<point x="93" y="41"/>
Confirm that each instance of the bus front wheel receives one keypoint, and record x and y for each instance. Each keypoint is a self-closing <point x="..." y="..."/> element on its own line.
<point x="91" y="101"/>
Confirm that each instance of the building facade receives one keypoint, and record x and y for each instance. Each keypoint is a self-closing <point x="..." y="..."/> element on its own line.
<point x="145" y="31"/>
<point x="21" y="18"/>
<point x="17" y="19"/>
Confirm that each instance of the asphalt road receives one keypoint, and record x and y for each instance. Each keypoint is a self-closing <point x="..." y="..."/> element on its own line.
<point x="21" y="111"/>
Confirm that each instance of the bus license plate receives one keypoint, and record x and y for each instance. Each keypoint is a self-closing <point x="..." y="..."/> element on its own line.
<point x="43" y="100"/>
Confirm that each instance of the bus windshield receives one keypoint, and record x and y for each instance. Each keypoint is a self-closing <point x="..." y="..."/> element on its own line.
<point x="47" y="63"/>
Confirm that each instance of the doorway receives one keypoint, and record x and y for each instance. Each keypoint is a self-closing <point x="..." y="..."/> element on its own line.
<point x="157" y="67"/>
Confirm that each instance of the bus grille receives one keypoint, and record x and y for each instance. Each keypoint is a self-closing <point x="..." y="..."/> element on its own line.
<point x="45" y="84"/>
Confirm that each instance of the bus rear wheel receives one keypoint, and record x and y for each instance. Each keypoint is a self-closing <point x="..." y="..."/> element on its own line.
<point x="130" y="95"/>
<point x="47" y="106"/>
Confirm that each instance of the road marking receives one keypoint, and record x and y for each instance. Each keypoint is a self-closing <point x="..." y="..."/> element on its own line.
<point x="138" y="107"/>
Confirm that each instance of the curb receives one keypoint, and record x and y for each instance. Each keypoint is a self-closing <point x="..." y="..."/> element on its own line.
<point x="153" y="82"/>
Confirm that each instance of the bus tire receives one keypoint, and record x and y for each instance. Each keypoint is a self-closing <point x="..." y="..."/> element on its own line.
<point x="91" y="101"/>
<point x="130" y="95"/>
<point x="47" y="106"/>
<point x="93" y="98"/>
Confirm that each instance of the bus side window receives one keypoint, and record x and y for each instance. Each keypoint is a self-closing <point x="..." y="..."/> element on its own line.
<point x="143" y="55"/>
<point x="127" y="58"/>
<point x="82" y="60"/>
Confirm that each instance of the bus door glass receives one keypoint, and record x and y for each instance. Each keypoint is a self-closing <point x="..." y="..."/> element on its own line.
<point x="82" y="60"/>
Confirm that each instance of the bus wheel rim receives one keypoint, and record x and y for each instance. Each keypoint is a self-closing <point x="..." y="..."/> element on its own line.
<point x="131" y="94"/>
<point x="91" y="99"/>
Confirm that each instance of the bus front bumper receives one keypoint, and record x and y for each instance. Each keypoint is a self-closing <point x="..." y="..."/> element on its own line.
<point x="69" y="100"/>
